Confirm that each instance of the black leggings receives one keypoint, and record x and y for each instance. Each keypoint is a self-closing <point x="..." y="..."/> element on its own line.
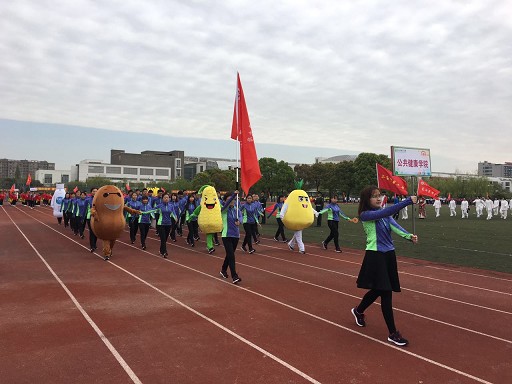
<point x="386" y="304"/>
<point x="280" y="230"/>
<point x="334" y="235"/>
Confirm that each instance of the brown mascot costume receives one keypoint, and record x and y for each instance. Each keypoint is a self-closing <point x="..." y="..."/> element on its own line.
<point x="107" y="216"/>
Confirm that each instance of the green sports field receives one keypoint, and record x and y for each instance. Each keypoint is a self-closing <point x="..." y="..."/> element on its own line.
<point x="472" y="242"/>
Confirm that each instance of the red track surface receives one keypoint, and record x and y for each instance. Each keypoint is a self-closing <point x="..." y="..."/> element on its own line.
<point x="141" y="318"/>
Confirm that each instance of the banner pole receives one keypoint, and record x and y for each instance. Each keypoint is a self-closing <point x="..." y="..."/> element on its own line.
<point x="413" y="213"/>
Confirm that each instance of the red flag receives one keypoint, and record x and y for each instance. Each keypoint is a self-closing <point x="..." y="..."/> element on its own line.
<point x="449" y="196"/>
<point x="426" y="190"/>
<point x="127" y="186"/>
<point x="29" y="180"/>
<point x="241" y="131"/>
<point x="75" y="189"/>
<point x="386" y="180"/>
<point x="269" y="209"/>
<point x="13" y="187"/>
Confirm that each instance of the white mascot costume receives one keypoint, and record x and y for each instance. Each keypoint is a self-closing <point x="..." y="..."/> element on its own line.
<point x="57" y="197"/>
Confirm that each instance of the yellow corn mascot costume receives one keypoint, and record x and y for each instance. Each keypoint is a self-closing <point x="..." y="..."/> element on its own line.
<point x="209" y="216"/>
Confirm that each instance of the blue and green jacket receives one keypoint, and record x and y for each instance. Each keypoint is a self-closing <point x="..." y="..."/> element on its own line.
<point x="250" y="213"/>
<point x="229" y="216"/>
<point x="378" y="225"/>
<point x="334" y="212"/>
<point x="277" y="206"/>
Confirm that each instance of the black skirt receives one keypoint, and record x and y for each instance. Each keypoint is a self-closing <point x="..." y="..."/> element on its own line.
<point x="379" y="271"/>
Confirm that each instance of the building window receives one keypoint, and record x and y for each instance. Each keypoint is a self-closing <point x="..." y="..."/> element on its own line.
<point x="130" y="171"/>
<point x="178" y="173"/>
<point x="201" y="168"/>
<point x="146" y="171"/>
<point x="48" y="178"/>
<point x="64" y="179"/>
<point x="162" y="172"/>
<point x="95" y="169"/>
<point x="178" y="163"/>
<point x="115" y="170"/>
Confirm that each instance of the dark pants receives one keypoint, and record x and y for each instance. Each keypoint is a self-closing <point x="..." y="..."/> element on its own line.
<point x="144" y="229"/>
<point x="230" y="244"/>
<point x="264" y="216"/>
<point x="255" y="232"/>
<point x="280" y="230"/>
<point x="164" y="234"/>
<point x="157" y="217"/>
<point x="134" y="228"/>
<point x="248" y="235"/>
<point x="319" y="218"/>
<point x="192" y="231"/>
<point x="173" y="229"/>
<point x="92" y="237"/>
<point x="181" y="221"/>
<point x="334" y="234"/>
<point x="66" y="218"/>
<point x="386" y="304"/>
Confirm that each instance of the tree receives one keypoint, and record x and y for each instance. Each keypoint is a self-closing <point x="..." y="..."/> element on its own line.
<point x="221" y="180"/>
<point x="182" y="184"/>
<point x="277" y="177"/>
<point x="365" y="173"/>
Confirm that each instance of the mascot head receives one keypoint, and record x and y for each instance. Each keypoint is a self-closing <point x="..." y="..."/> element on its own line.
<point x="299" y="213"/>
<point x="210" y="218"/>
<point x="108" y="200"/>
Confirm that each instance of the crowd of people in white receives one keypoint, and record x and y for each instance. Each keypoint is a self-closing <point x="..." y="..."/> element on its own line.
<point x="493" y="208"/>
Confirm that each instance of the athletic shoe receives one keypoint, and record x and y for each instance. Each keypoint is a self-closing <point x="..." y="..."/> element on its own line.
<point x="106" y="258"/>
<point x="339" y="250"/>
<point x="236" y="280"/>
<point x="303" y="252"/>
<point x="398" y="339"/>
<point x="291" y="248"/>
<point x="244" y="248"/>
<point x="211" y="250"/>
<point x="257" y="242"/>
<point x="144" y="247"/>
<point x="251" y="251"/>
<point x="285" y="240"/>
<point x="217" y="243"/>
<point x="276" y="239"/>
<point x="359" y="317"/>
<point x="324" y="246"/>
<point x="224" y="274"/>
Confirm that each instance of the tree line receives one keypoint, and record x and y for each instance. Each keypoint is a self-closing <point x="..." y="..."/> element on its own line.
<point x="346" y="178"/>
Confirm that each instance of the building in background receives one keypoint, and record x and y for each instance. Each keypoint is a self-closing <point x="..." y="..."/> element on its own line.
<point x="50" y="177"/>
<point x="8" y="167"/>
<point x="96" y="168"/>
<point x="494" y="170"/>
<point x="335" y="159"/>
<point x="145" y="161"/>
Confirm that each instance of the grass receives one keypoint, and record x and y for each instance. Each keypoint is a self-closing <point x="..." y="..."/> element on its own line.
<point x="477" y="243"/>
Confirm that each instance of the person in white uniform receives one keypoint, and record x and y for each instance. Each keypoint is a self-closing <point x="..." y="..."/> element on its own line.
<point x="488" y="206"/>
<point x="479" y="206"/>
<point x="437" y="207"/>
<point x="495" y="207"/>
<point x="464" y="205"/>
<point x="452" y="204"/>
<point x="504" y="209"/>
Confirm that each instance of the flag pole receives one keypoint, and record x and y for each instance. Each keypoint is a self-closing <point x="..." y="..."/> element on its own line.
<point x="413" y="213"/>
<point x="237" y="111"/>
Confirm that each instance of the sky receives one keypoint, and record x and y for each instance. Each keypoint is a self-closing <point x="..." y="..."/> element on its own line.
<point x="320" y="78"/>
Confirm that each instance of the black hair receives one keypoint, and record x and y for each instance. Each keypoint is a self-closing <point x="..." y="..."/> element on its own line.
<point x="94" y="188"/>
<point x="364" y="199"/>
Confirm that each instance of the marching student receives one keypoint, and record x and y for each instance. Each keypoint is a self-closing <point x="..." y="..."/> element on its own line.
<point x="249" y="211"/>
<point x="280" y="226"/>
<point x="191" y="220"/>
<point x="81" y="206"/>
<point x="504" y="209"/>
<point x="155" y="202"/>
<point x="165" y="211"/>
<point x="64" y="206"/>
<point x="379" y="272"/>
<point x="146" y="214"/>
<point x="231" y="219"/>
<point x="133" y="220"/>
<point x="92" y="237"/>
<point x="333" y="218"/>
<point x="488" y="207"/>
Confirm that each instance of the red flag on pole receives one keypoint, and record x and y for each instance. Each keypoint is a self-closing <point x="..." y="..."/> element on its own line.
<point x="426" y="190"/>
<point x="241" y="131"/>
<point x="13" y="187"/>
<point x="75" y="189"/>
<point x="127" y="186"/>
<point x="29" y="180"/>
<point x="386" y="180"/>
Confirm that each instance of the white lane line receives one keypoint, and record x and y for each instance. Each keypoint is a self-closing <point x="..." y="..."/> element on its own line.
<point x="402" y="350"/>
<point x="91" y="322"/>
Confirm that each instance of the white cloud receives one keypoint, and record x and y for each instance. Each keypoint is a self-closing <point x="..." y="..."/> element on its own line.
<point x="351" y="75"/>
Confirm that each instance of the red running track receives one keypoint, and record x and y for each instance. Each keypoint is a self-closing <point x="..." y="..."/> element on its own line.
<point x="70" y="317"/>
